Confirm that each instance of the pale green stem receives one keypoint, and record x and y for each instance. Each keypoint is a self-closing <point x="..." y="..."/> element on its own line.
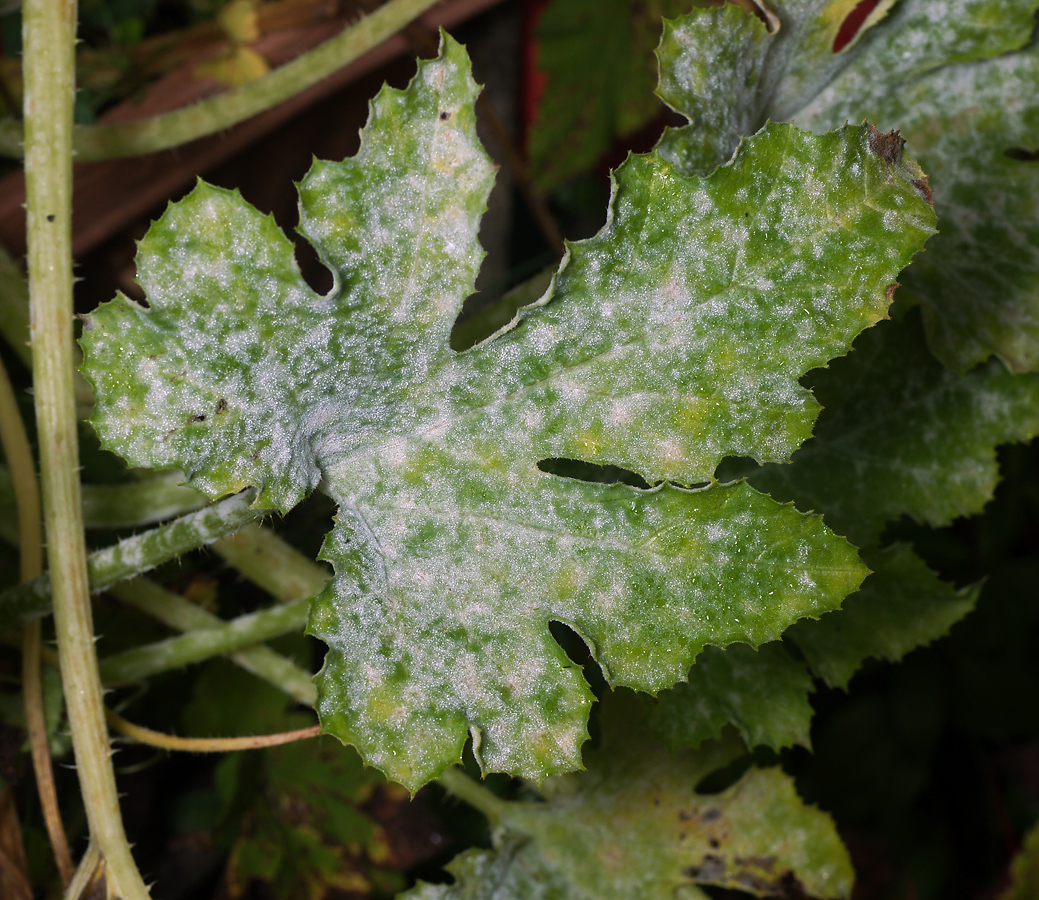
<point x="138" y="554"/>
<point x="139" y="502"/>
<point x="49" y="67"/>
<point x="95" y="142"/>
<point x="152" y="499"/>
<point x="456" y="782"/>
<point x="269" y="562"/>
<point x="183" y="615"/>
<point x="272" y="564"/>
<point x="177" y="652"/>
<point x="83" y="880"/>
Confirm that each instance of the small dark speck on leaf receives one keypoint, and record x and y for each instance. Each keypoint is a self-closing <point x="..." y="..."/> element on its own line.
<point x="201" y="418"/>
<point x="221" y="406"/>
<point x="684" y="815"/>
<point x="444" y="114"/>
<point x="888" y="146"/>
<point x="50" y="218"/>
<point x="714" y="843"/>
<point x="712" y="814"/>
<point x="1022" y="155"/>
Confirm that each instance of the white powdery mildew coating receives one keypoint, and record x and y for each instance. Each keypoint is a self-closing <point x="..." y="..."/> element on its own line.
<point x="674" y="338"/>
<point x="476" y="569"/>
<point x="667" y="351"/>
<point x="482" y="551"/>
<point x="693" y="83"/>
<point x="253" y="373"/>
<point x="980" y="279"/>
<point x="133" y="555"/>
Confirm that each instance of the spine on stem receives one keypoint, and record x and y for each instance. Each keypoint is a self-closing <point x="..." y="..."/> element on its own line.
<point x="49" y="72"/>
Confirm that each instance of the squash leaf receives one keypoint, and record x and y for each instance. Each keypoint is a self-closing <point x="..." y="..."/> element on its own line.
<point x="901" y="606"/>
<point x="673" y="338"/>
<point x="920" y="442"/>
<point x="763" y="692"/>
<point x="634" y="825"/>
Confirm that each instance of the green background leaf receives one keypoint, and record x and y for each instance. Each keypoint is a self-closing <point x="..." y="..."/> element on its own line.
<point x="902" y="605"/>
<point x="597" y="56"/>
<point x="634" y="825"/>
<point x="763" y="692"/>
<point x="903" y="436"/>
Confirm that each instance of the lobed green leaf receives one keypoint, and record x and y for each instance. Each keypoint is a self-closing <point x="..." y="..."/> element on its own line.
<point x="672" y="339"/>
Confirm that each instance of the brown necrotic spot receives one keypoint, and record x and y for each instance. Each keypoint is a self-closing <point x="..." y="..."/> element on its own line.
<point x="923" y="187"/>
<point x="887" y="146"/>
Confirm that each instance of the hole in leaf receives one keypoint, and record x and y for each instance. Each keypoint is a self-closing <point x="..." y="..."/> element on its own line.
<point x="315" y="273"/>
<point x="573" y="646"/>
<point x="592" y="473"/>
<point x="852" y="23"/>
<point x="579" y="653"/>
<point x="1022" y="155"/>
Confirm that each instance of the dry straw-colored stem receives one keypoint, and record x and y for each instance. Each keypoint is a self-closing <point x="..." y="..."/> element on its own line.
<point x="206" y="745"/>
<point x="19" y="457"/>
